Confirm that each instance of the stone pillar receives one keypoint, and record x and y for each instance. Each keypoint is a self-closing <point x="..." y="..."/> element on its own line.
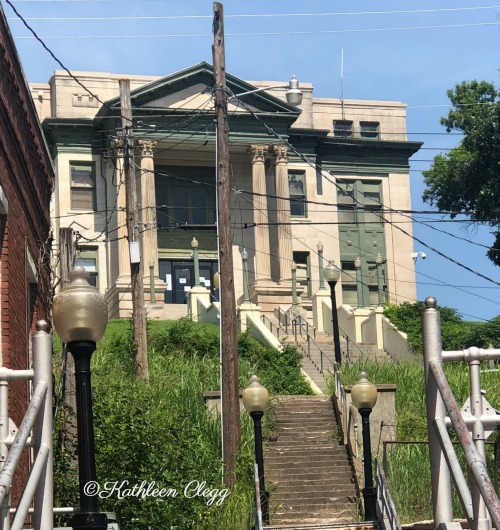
<point x="260" y="214"/>
<point x="285" y="248"/>
<point x="121" y="216"/>
<point x="148" y="206"/>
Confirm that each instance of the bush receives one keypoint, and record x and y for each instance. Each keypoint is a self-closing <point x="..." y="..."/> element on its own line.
<point x="161" y="431"/>
<point x="456" y="333"/>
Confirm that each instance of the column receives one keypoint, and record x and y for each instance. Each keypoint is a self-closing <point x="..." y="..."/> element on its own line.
<point x="121" y="216"/>
<point x="260" y="214"/>
<point x="148" y="206"/>
<point x="285" y="248"/>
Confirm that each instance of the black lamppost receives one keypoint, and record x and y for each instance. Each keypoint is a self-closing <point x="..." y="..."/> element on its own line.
<point x="332" y="276"/>
<point x="364" y="398"/>
<point x="80" y="316"/>
<point x="255" y="401"/>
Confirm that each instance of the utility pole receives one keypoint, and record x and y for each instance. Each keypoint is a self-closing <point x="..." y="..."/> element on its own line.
<point x="230" y="400"/>
<point x="67" y="260"/>
<point x="136" y="265"/>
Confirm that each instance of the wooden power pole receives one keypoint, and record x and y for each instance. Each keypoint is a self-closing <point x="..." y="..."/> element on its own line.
<point x="231" y="429"/>
<point x="67" y="260"/>
<point x="136" y="264"/>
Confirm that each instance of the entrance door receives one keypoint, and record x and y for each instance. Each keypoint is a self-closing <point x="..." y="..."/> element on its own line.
<point x="179" y="276"/>
<point x="181" y="282"/>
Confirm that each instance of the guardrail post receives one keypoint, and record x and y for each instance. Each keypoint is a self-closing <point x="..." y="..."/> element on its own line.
<point x="440" y="475"/>
<point x="480" y="512"/>
<point x="42" y="367"/>
<point x="4" y="450"/>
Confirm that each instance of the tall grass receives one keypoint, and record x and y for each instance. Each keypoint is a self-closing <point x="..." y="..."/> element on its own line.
<point x="161" y="431"/>
<point x="408" y="464"/>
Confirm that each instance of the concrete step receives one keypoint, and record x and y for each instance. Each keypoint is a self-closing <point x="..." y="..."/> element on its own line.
<point x="322" y="524"/>
<point x="325" y="526"/>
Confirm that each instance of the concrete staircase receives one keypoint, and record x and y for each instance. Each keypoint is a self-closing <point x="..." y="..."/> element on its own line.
<point x="335" y="526"/>
<point x="308" y="472"/>
<point x="311" y="362"/>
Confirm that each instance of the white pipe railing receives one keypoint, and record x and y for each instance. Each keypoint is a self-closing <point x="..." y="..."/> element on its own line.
<point x="481" y="502"/>
<point x="38" y="418"/>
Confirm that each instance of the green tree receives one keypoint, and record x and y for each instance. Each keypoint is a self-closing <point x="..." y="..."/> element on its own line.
<point x="467" y="179"/>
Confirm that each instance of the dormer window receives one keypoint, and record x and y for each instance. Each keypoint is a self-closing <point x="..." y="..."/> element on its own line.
<point x="369" y="129"/>
<point x="342" y="128"/>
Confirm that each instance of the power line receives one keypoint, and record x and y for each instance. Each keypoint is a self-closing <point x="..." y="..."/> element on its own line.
<point x="265" y="15"/>
<point x="257" y="33"/>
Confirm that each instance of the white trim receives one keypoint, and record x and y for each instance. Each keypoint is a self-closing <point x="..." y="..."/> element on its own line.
<point x="4" y="203"/>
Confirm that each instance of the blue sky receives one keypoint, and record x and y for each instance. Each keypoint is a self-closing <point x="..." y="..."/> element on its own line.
<point x="446" y="45"/>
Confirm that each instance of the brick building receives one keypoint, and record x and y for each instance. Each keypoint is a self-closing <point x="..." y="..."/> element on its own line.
<point x="26" y="183"/>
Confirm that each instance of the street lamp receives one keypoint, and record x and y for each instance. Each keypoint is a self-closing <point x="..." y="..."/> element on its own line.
<point x="379" y="261"/>
<point x="194" y="246"/>
<point x="331" y="274"/>
<point x="294" y="285"/>
<point x="357" y="264"/>
<point x="244" y="259"/>
<point x="80" y="316"/>
<point x="293" y="95"/>
<point x="364" y="398"/>
<point x="255" y="401"/>
<point x="320" y="265"/>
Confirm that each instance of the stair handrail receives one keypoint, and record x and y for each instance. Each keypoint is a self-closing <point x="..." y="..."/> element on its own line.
<point x="349" y="339"/>
<point x="386" y="509"/>
<point x="480" y="504"/>
<point x="301" y="323"/>
<point x="38" y="418"/>
<point x="271" y="324"/>
<point x="282" y="316"/>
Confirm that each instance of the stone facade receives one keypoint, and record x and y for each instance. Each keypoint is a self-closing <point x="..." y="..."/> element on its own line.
<point x="288" y="198"/>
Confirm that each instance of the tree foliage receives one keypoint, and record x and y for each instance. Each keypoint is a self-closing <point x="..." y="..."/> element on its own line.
<point x="467" y="179"/>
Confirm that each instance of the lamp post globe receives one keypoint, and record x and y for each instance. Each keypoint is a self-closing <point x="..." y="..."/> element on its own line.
<point x="364" y="398"/>
<point x="294" y="94"/>
<point x="331" y="274"/>
<point x="255" y="401"/>
<point x="80" y="316"/>
<point x="79" y="310"/>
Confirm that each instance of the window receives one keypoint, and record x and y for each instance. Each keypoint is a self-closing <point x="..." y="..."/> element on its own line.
<point x="342" y="128"/>
<point x="296" y="186"/>
<point x="359" y="201"/>
<point x="369" y="129"/>
<point x="301" y="259"/>
<point x="86" y="257"/>
<point x="82" y="186"/>
<point x="189" y="206"/>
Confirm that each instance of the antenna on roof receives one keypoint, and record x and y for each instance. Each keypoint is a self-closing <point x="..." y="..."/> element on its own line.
<point x="342" y="83"/>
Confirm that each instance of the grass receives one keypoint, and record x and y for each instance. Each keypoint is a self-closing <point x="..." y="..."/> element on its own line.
<point x="408" y="464"/>
<point x="161" y="431"/>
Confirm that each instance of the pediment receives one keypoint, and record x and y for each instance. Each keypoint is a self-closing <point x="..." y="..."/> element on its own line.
<point x="192" y="88"/>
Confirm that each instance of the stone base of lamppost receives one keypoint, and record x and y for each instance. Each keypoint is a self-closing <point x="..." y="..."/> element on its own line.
<point x="89" y="521"/>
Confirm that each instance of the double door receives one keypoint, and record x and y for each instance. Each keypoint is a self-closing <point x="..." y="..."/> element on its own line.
<point x="179" y="276"/>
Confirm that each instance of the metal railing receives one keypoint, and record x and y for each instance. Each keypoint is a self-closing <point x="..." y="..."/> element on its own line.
<point x="386" y="509"/>
<point x="480" y="503"/>
<point x="270" y="324"/>
<point x="38" y="418"/>
<point x="350" y="341"/>
<point x="283" y="318"/>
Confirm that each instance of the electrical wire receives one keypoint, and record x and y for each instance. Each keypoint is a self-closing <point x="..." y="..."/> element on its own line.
<point x="255" y="33"/>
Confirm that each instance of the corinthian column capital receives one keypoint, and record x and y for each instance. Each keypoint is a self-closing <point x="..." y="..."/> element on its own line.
<point x="258" y="152"/>
<point x="281" y="154"/>
<point x="116" y="148"/>
<point x="147" y="147"/>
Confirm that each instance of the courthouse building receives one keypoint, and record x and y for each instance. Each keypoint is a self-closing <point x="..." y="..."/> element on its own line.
<point x="328" y="173"/>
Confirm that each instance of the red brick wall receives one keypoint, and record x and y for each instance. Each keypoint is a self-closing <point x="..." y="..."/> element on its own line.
<point x="26" y="179"/>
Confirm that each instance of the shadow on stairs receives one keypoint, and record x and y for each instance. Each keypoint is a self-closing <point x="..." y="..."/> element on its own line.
<point x="309" y="475"/>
